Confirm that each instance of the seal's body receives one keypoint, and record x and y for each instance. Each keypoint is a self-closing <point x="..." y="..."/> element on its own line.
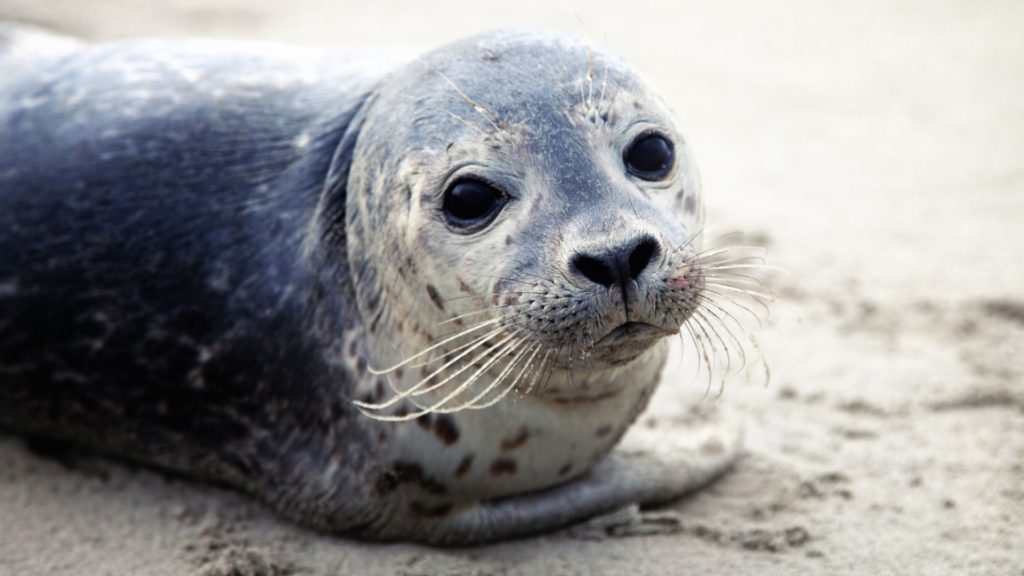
<point x="412" y="300"/>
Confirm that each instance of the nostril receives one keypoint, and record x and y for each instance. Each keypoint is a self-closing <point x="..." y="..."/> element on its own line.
<point x="641" y="256"/>
<point x="619" y="265"/>
<point x="594" y="270"/>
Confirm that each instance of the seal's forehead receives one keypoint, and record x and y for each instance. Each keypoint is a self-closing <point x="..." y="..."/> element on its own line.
<point x="506" y="71"/>
<point x="523" y="77"/>
<point x="542" y="60"/>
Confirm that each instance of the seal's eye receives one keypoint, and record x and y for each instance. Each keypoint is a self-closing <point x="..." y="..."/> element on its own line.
<point x="649" y="157"/>
<point x="470" y="204"/>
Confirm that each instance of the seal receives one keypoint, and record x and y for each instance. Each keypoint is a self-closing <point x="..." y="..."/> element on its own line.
<point x="416" y="299"/>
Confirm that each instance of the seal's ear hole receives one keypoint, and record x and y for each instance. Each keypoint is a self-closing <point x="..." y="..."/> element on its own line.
<point x="470" y="204"/>
<point x="650" y="156"/>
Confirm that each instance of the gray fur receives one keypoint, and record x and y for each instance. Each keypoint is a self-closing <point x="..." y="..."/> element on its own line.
<point x="206" y="248"/>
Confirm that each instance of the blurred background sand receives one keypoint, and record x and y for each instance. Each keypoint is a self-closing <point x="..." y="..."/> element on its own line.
<point x="875" y="147"/>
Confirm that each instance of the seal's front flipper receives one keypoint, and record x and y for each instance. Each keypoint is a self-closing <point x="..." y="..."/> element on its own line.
<point x="649" y="467"/>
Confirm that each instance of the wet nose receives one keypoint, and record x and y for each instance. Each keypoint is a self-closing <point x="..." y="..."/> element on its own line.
<point x="617" y="265"/>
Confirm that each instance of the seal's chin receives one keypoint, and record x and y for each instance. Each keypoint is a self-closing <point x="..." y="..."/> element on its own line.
<point x="626" y="341"/>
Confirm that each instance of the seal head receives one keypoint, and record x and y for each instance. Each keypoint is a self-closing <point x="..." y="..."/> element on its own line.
<point x="527" y="186"/>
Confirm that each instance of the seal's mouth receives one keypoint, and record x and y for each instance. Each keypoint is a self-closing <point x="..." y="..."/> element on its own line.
<point x="632" y="333"/>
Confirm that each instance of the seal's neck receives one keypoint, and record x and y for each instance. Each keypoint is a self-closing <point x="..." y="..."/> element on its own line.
<point x="555" y="432"/>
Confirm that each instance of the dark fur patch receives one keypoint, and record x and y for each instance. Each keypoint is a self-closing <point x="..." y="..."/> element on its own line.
<point x="435" y="297"/>
<point x="503" y="467"/>
<point x="603" y="430"/>
<point x="464" y="466"/>
<point x="427" y="511"/>
<point x="565" y="469"/>
<point x="400" y="473"/>
<point x="407" y="472"/>
<point x="375" y="321"/>
<point x="690" y="205"/>
<point x="513" y="442"/>
<point x="446" y="430"/>
<point x="433" y="486"/>
<point x="385" y="484"/>
<point x="424" y="421"/>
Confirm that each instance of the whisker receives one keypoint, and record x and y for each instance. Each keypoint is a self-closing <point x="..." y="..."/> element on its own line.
<point x="730" y="259"/>
<point x="696" y="349"/>
<point x="693" y="238"/>
<point x="699" y="344"/>
<point x="724" y="326"/>
<point x="728" y="253"/>
<point x="378" y="372"/>
<point x="741" y="280"/>
<point x="469" y="381"/>
<point x="720" y="247"/>
<point x="519" y="308"/>
<point x="590" y="78"/>
<point x="718" y="240"/>
<point x="708" y="326"/>
<point x="604" y="82"/>
<point x="515" y="293"/>
<point x="767" y="267"/>
<point x="715" y="353"/>
<point x="369" y="409"/>
<point x="402" y="394"/>
<point x="543" y="368"/>
<point x="709" y="292"/>
<point x="726" y="314"/>
<point x="743" y="291"/>
<point x="475" y="313"/>
<point x="465" y="122"/>
<point x="467" y="365"/>
<point x="516" y="360"/>
<point x="508" y="321"/>
<point x="748" y="337"/>
<point x="541" y="279"/>
<point x="508" y="389"/>
<point x="476" y="106"/>
<point x="416" y="391"/>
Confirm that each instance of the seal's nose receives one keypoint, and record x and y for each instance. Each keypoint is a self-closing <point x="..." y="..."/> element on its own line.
<point x="618" y="265"/>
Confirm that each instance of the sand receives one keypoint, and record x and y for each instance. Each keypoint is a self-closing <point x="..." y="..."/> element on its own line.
<point x="875" y="147"/>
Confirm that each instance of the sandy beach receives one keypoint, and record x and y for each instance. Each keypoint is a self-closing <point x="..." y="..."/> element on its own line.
<point x="876" y="149"/>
